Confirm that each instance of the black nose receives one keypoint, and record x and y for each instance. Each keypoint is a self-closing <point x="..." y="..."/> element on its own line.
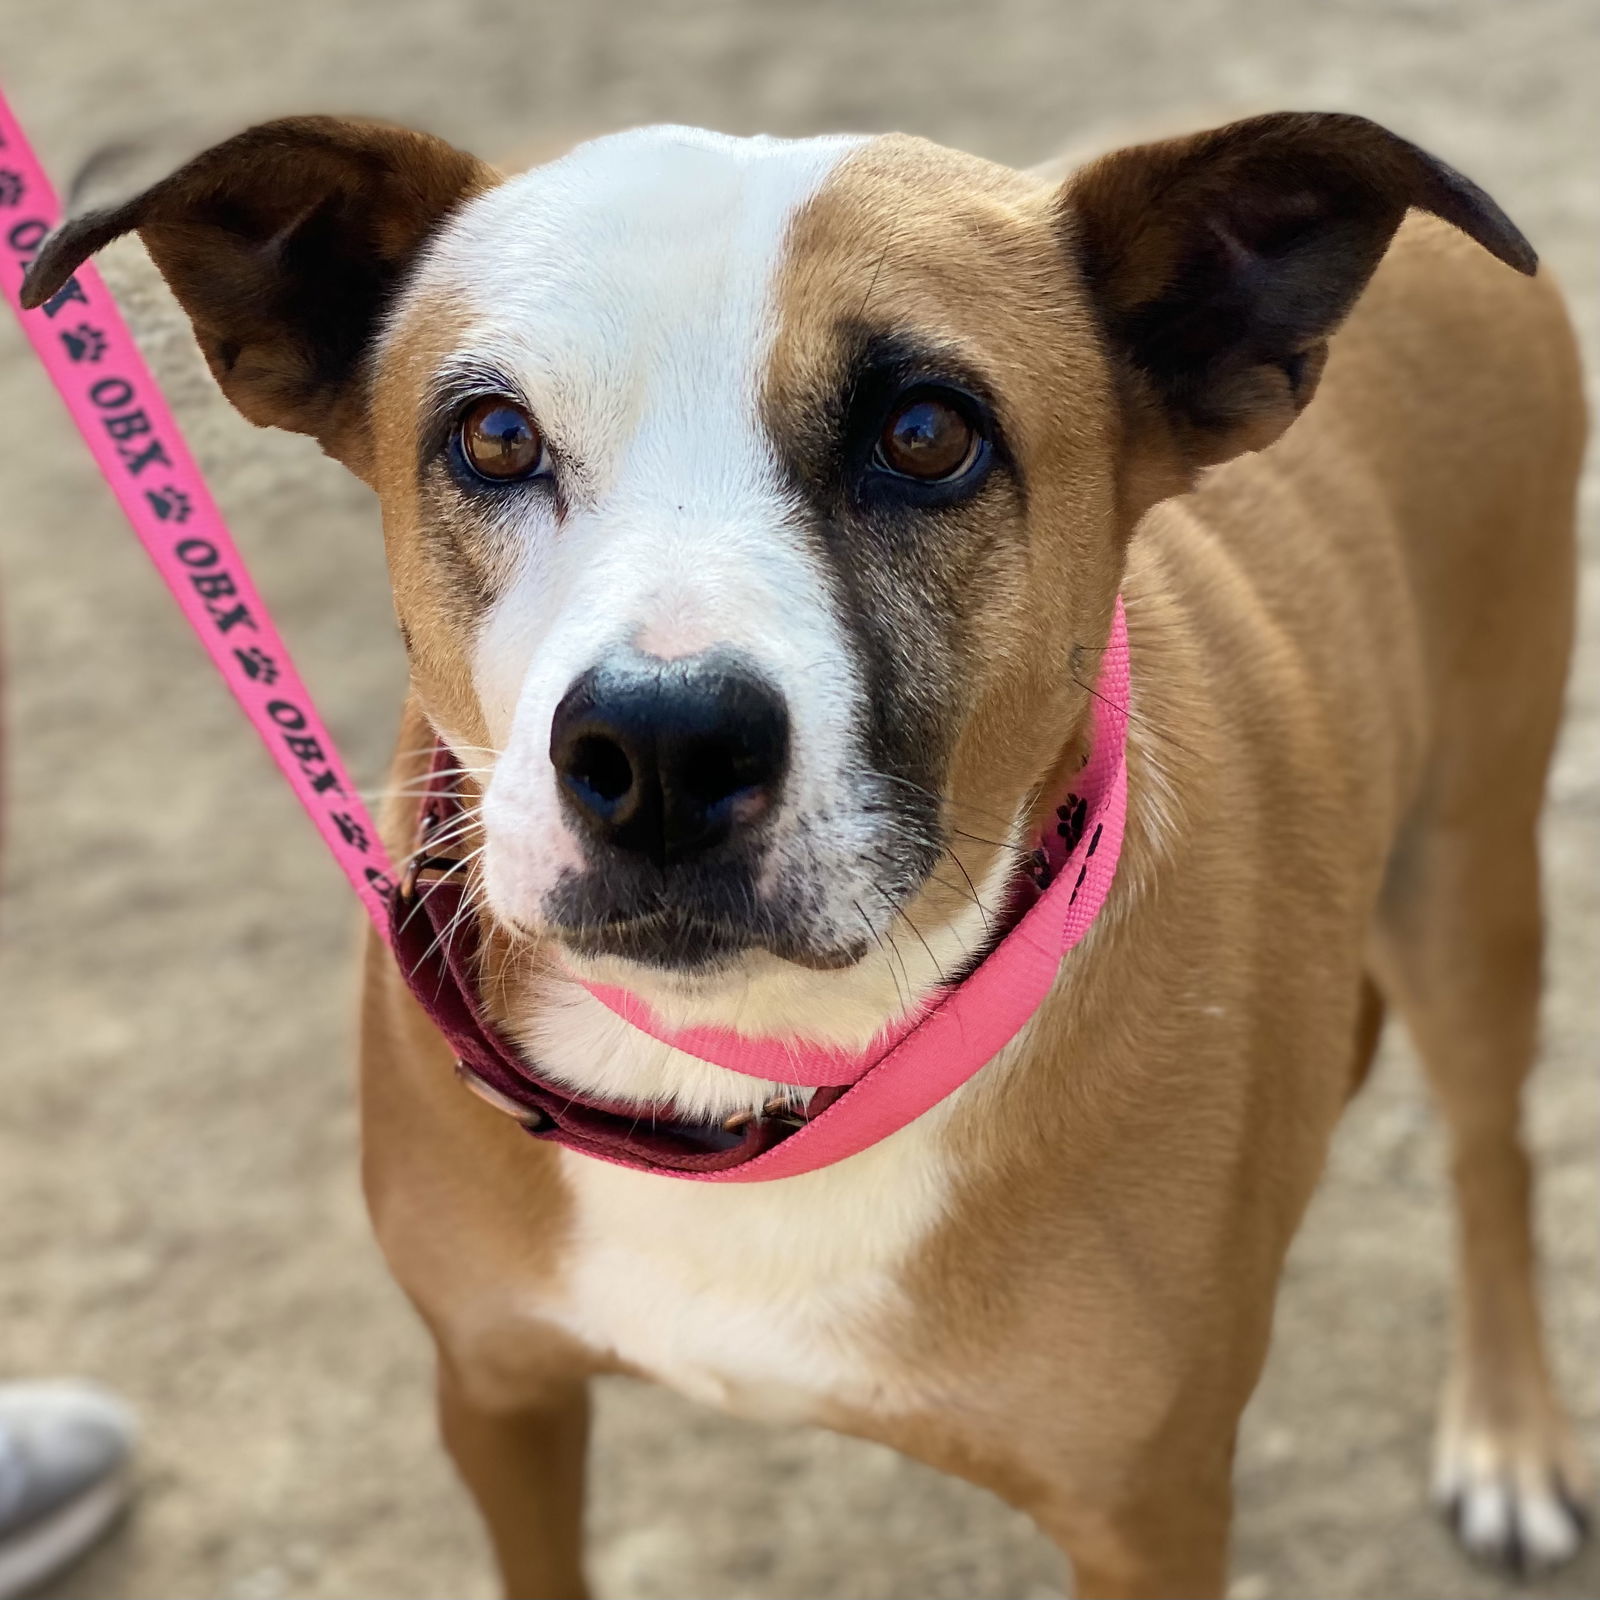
<point x="667" y="759"/>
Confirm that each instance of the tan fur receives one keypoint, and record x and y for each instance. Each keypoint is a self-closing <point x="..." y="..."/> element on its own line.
<point x="1348" y="652"/>
<point x="1347" y="658"/>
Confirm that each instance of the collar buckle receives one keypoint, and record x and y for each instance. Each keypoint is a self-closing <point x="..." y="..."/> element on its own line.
<point x="531" y="1118"/>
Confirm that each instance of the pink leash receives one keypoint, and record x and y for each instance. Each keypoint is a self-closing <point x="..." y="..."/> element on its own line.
<point x="88" y="351"/>
<point x="91" y="357"/>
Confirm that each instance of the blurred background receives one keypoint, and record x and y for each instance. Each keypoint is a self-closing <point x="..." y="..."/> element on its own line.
<point x="179" y="1208"/>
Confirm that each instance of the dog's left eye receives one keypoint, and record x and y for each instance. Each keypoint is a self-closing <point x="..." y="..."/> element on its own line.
<point x="930" y="438"/>
<point x="500" y="442"/>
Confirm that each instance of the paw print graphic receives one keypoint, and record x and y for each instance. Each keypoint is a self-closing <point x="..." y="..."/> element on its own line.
<point x="258" y="664"/>
<point x="1071" y="819"/>
<point x="169" y="503"/>
<point x="351" y="830"/>
<point x="12" y="188"/>
<point x="84" y="343"/>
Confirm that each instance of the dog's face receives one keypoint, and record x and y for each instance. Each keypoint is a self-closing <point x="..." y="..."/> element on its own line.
<point x="756" y="508"/>
<point x="764" y="499"/>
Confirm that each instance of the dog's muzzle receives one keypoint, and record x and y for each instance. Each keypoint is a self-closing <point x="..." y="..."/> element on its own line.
<point x="671" y="773"/>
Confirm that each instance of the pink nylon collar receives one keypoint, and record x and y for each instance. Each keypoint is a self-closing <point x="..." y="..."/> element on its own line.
<point x="90" y="355"/>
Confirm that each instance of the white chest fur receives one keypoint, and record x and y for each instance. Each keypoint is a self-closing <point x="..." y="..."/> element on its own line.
<point x="767" y="1299"/>
<point x="764" y="1298"/>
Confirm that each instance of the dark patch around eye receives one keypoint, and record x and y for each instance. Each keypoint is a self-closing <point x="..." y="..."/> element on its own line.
<point x="907" y="560"/>
<point x="880" y="371"/>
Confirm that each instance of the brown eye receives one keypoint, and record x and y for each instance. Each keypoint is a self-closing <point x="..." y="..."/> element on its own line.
<point x="499" y="440"/>
<point x="929" y="439"/>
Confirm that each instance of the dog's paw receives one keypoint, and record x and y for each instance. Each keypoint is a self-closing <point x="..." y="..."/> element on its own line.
<point x="1514" y="1497"/>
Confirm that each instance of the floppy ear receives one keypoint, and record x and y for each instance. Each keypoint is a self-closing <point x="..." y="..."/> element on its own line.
<point x="1221" y="263"/>
<point x="285" y="246"/>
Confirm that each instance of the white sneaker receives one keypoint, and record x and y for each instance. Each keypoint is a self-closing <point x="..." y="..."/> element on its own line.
<point x="64" y="1450"/>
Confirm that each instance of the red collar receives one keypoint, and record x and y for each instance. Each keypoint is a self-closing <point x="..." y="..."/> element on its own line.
<point x="859" y="1098"/>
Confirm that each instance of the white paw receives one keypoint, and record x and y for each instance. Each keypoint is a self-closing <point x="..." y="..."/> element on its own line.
<point x="1508" y="1504"/>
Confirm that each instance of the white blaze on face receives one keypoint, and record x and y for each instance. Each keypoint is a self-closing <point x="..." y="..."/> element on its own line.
<point x="627" y="288"/>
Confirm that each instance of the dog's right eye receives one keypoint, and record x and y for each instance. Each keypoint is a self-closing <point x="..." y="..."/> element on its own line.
<point x="500" y="443"/>
<point x="928" y="438"/>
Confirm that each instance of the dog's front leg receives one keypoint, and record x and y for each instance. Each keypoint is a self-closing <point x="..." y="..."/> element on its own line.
<point x="525" y="1468"/>
<point x="1154" y="1530"/>
<point x="1123" y="1460"/>
<point x="470" y="1214"/>
<point x="1154" y="1548"/>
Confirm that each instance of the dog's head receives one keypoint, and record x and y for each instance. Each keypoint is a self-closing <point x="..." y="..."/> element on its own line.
<point x="756" y="509"/>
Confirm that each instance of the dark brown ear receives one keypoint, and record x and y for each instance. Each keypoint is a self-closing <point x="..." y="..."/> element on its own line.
<point x="1222" y="263"/>
<point x="285" y="245"/>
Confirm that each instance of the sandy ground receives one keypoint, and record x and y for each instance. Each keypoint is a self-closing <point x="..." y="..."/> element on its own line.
<point x="179" y="1212"/>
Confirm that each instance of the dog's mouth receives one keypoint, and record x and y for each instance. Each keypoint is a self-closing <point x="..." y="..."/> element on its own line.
<point x="691" y="944"/>
<point x="706" y="919"/>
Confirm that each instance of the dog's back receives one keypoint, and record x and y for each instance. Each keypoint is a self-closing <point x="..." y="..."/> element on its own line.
<point x="1463" y="389"/>
<point x="1357" y="643"/>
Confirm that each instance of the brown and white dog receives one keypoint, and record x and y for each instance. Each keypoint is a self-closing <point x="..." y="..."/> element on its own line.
<point x="879" y="431"/>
